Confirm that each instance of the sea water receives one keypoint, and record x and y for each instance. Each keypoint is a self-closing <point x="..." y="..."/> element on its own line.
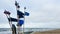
<point x="8" y="30"/>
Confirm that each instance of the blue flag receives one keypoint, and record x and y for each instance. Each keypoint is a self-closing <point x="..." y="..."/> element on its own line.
<point x="12" y="19"/>
<point x="26" y="14"/>
<point x="20" y="14"/>
<point x="20" y="22"/>
<point x="21" y="17"/>
<point x="7" y="12"/>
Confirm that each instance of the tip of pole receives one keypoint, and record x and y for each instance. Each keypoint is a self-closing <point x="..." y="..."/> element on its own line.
<point x="24" y="7"/>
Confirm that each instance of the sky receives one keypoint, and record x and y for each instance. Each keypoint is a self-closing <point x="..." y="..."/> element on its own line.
<point x="43" y="13"/>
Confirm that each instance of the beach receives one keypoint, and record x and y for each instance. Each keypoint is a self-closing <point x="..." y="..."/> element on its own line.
<point x="57" y="31"/>
<point x="32" y="31"/>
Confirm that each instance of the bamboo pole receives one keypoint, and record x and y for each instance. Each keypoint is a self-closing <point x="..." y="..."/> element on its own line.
<point x="18" y="27"/>
<point x="24" y="19"/>
<point x="10" y="23"/>
<point x="8" y="16"/>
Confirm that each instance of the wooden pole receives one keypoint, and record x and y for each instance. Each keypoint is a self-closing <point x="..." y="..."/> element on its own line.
<point x="24" y="19"/>
<point x="13" y="29"/>
<point x="10" y="22"/>
<point x="18" y="27"/>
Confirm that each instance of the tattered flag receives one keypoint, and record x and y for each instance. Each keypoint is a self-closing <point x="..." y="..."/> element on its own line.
<point x="12" y="19"/>
<point x="26" y="14"/>
<point x="7" y="12"/>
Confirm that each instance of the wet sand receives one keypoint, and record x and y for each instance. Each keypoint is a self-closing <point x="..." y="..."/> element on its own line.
<point x="48" y="32"/>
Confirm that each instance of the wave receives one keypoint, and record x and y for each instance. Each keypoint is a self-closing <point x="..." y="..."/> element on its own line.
<point x="28" y="29"/>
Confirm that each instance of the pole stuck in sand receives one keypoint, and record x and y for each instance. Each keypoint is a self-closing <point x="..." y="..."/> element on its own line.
<point x="17" y="8"/>
<point x="7" y="13"/>
<point x="12" y="26"/>
<point x="20" y="19"/>
<point x="24" y="18"/>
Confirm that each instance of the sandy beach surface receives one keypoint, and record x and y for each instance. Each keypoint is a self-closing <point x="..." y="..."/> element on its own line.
<point x="48" y="32"/>
<point x="56" y="31"/>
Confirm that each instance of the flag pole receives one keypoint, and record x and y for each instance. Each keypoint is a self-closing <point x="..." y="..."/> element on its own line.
<point x="10" y="20"/>
<point x="10" y="23"/>
<point x="7" y="13"/>
<point x="17" y="8"/>
<point x="24" y="18"/>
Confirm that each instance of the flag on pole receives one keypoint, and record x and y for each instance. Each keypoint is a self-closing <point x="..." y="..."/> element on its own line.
<point x="20" y="22"/>
<point x="7" y="12"/>
<point x="26" y="14"/>
<point x="17" y="4"/>
<point x="21" y="18"/>
<point x="20" y="14"/>
<point x="12" y="19"/>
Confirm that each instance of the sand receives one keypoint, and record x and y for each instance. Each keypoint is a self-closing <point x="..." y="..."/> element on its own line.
<point x="48" y="32"/>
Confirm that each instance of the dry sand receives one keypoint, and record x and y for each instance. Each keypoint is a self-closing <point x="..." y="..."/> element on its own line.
<point x="48" y="32"/>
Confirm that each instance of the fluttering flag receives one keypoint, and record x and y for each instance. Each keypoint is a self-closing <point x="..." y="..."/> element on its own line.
<point x="7" y="12"/>
<point x="20" y="22"/>
<point x="21" y="18"/>
<point x="17" y="4"/>
<point x="20" y="14"/>
<point x="12" y="19"/>
<point x="26" y="14"/>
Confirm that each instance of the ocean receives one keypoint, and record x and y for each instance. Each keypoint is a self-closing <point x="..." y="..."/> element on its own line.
<point x="26" y="30"/>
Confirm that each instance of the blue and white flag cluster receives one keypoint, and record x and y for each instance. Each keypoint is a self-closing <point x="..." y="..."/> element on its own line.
<point x="21" y="17"/>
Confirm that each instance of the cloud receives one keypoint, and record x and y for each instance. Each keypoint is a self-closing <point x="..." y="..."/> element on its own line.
<point x="42" y="12"/>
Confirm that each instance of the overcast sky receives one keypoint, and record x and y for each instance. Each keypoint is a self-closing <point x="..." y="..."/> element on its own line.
<point x="43" y="13"/>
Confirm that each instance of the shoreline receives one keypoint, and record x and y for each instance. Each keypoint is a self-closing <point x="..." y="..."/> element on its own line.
<point x="57" y="31"/>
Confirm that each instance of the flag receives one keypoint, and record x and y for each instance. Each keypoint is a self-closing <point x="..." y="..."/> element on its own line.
<point x="12" y="19"/>
<point x="20" y="14"/>
<point x="20" y="22"/>
<point x="7" y="12"/>
<point x="21" y="17"/>
<point x="26" y="14"/>
<point x="17" y="4"/>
